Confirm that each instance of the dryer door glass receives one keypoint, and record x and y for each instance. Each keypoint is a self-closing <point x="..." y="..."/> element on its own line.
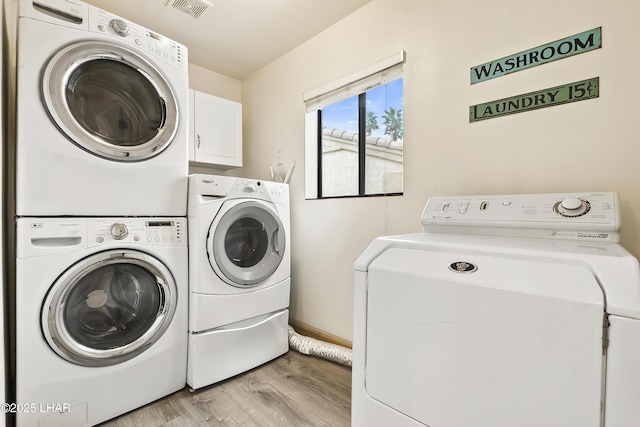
<point x="110" y="101"/>
<point x="248" y="244"/>
<point x="114" y="102"/>
<point x="109" y="308"/>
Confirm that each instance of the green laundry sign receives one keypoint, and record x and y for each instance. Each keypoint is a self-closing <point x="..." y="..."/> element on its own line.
<point x="568" y="46"/>
<point x="571" y="92"/>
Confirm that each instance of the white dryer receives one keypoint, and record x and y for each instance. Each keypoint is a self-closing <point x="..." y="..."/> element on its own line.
<point x="101" y="317"/>
<point x="101" y="115"/>
<point x="517" y="310"/>
<point x="239" y="275"/>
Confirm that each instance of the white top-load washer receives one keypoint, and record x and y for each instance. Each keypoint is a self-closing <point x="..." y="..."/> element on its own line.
<point x="516" y="310"/>
<point x="102" y="115"/>
<point x="239" y="275"/>
<point x="101" y="317"/>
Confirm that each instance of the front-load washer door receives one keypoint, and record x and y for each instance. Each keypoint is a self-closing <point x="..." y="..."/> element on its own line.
<point x="109" y="307"/>
<point x="110" y="101"/>
<point x="246" y="242"/>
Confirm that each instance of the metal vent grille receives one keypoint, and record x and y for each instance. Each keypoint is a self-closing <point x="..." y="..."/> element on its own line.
<point x="193" y="8"/>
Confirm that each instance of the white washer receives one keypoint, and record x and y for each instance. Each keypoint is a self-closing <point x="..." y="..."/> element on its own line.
<point x="101" y="316"/>
<point x="518" y="310"/>
<point x="239" y="280"/>
<point x="101" y="115"/>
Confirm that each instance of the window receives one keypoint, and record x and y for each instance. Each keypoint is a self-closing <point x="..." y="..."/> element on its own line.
<point x="360" y="144"/>
<point x="354" y="134"/>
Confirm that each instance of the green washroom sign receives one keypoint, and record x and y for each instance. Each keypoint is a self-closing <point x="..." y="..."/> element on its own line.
<point x="559" y="49"/>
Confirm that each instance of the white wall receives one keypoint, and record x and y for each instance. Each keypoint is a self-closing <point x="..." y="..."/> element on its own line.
<point x="589" y="145"/>
<point x="213" y="83"/>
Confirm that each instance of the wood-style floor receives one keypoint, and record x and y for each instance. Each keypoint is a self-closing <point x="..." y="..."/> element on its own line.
<point x="293" y="390"/>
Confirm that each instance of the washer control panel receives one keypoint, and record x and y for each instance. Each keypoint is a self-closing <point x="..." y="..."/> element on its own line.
<point x="582" y="216"/>
<point x="149" y="231"/>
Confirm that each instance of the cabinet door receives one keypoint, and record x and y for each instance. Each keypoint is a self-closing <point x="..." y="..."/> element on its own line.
<point x="217" y="131"/>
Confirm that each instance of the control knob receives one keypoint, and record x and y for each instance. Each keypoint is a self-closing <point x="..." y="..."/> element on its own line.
<point x="118" y="231"/>
<point x="119" y="27"/>
<point x="572" y="207"/>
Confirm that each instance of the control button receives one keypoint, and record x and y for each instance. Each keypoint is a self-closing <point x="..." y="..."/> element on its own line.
<point x="506" y="203"/>
<point x="136" y="238"/>
<point x="119" y="27"/>
<point x="464" y="207"/>
<point x="100" y="239"/>
<point x="571" y="203"/>
<point x="101" y="28"/>
<point x="445" y="206"/>
<point x="138" y="42"/>
<point x="572" y="207"/>
<point x="118" y="231"/>
<point x="149" y="238"/>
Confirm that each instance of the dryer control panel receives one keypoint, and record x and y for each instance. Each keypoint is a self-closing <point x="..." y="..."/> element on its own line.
<point x="156" y="45"/>
<point x="575" y="216"/>
<point x="79" y="15"/>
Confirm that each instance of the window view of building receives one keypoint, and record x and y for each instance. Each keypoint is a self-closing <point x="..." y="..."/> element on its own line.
<point x="362" y="143"/>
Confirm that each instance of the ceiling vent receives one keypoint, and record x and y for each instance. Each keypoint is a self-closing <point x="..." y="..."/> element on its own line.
<point x="193" y="8"/>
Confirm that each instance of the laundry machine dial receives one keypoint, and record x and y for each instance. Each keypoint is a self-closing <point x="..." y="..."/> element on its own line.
<point x="118" y="231"/>
<point x="119" y="27"/>
<point x="572" y="207"/>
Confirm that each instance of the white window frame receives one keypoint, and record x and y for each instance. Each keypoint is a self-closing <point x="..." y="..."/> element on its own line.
<point x="377" y="74"/>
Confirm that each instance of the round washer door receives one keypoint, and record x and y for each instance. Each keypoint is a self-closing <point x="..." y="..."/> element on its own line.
<point x="109" y="307"/>
<point x="246" y="243"/>
<point x="110" y="101"/>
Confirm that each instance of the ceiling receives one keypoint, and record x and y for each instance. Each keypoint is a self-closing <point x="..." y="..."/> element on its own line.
<point x="236" y="37"/>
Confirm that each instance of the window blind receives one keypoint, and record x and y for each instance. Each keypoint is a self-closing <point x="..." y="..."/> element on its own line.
<point x="377" y="74"/>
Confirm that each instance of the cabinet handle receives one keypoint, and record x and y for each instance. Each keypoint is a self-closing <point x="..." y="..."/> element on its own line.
<point x="198" y="140"/>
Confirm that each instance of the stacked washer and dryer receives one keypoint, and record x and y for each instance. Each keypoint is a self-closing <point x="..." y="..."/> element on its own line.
<point x="101" y="279"/>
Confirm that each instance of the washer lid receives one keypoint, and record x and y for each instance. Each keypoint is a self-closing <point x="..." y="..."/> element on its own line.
<point x="461" y="338"/>
<point x="616" y="270"/>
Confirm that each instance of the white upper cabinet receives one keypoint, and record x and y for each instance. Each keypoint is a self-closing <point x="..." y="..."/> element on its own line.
<point x="216" y="131"/>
